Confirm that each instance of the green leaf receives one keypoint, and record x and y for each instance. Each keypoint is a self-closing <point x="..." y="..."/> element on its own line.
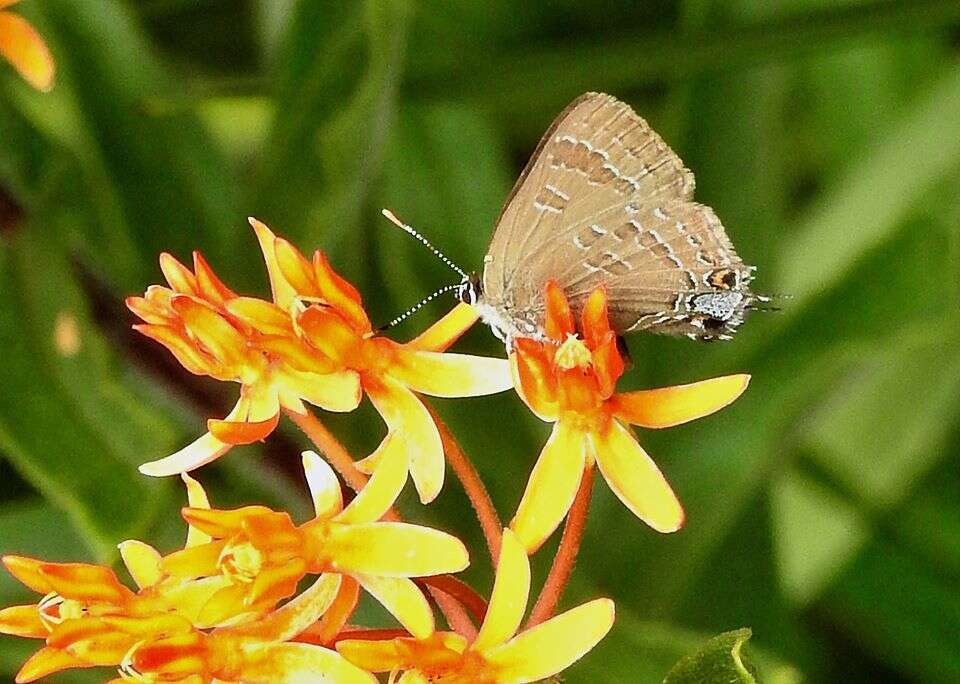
<point x="719" y="661"/>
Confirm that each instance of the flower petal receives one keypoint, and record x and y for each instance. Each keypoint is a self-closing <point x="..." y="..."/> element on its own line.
<point x="534" y="379"/>
<point x="196" y="498"/>
<point x="142" y="562"/>
<point x="451" y="375"/>
<point x="294" y="663"/>
<point x="669" y="406"/>
<point x="84" y="582"/>
<point x="323" y="484"/>
<point x="209" y="285"/>
<point x="196" y="561"/>
<point x="23" y="621"/>
<point x="236" y="432"/>
<point x="23" y="47"/>
<point x="511" y="589"/>
<point x="552" y="486"/>
<point x="183" y="349"/>
<point x="221" y="339"/>
<point x="554" y="645"/>
<point x="339" y="293"/>
<point x="394" y="549"/>
<point x="28" y="571"/>
<point x="383" y="488"/>
<point x="295" y="616"/>
<point x="180" y="278"/>
<point x="47" y="661"/>
<point x="265" y="317"/>
<point x="333" y="620"/>
<point x="407" y="417"/>
<point x="203" y="450"/>
<point x="636" y="480"/>
<point x="439" y="336"/>
<point x="559" y="319"/>
<point x="403" y="599"/>
<point x="339" y="392"/>
<point x="283" y="292"/>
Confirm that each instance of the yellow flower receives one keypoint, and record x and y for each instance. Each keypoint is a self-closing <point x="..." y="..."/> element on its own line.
<point x="571" y="381"/>
<point x="263" y="554"/>
<point x="498" y="655"/>
<point x="23" y="47"/>
<point x="194" y="318"/>
<point x="390" y="373"/>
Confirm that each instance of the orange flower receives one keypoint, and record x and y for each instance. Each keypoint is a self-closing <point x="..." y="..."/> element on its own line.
<point x="263" y="555"/>
<point x="197" y="319"/>
<point x="496" y="654"/>
<point x="390" y="373"/>
<point x="23" y="47"/>
<point x="571" y="381"/>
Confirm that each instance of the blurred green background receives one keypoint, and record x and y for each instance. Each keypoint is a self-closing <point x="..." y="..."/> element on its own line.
<point x="823" y="507"/>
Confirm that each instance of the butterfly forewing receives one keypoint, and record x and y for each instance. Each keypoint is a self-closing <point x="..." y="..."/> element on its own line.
<point x="605" y="201"/>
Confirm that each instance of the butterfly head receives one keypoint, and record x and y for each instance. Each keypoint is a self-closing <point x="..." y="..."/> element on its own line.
<point x="469" y="289"/>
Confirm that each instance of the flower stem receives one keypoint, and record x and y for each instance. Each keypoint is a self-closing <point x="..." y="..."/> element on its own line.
<point x="473" y="486"/>
<point x="331" y="448"/>
<point x="457" y="618"/>
<point x="567" y="552"/>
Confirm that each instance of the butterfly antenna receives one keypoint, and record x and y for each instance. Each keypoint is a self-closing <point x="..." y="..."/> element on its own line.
<point x="410" y="231"/>
<point x="419" y="305"/>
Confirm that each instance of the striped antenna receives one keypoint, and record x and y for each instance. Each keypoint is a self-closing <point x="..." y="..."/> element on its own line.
<point x="419" y="305"/>
<point x="410" y="231"/>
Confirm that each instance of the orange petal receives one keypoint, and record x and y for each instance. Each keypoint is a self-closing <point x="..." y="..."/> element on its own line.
<point x="149" y="311"/>
<point x="297" y="354"/>
<point x="47" y="661"/>
<point x="340" y="293"/>
<point x="200" y="452"/>
<point x="23" y="621"/>
<point x="277" y="582"/>
<point x="293" y="663"/>
<point x="283" y="293"/>
<point x="221" y="339"/>
<point x="224" y="523"/>
<point x="297" y="615"/>
<point x="376" y="656"/>
<point x="28" y="571"/>
<point x="262" y="315"/>
<point x="404" y="600"/>
<point x="85" y="582"/>
<point x="336" y="616"/>
<point x="394" y="550"/>
<point x="296" y="269"/>
<point x="608" y="364"/>
<point x="329" y="332"/>
<point x="23" y="47"/>
<point x="225" y="604"/>
<point x="534" y="378"/>
<point x="559" y="321"/>
<point x="439" y="336"/>
<point x="552" y="487"/>
<point x="242" y="432"/>
<point x="196" y="561"/>
<point x="594" y="321"/>
<point x="636" y="480"/>
<point x="209" y="285"/>
<point x="340" y="392"/>
<point x="669" y="406"/>
<point x="182" y="347"/>
<point x="508" y="602"/>
<point x="554" y="645"/>
<point x="180" y="278"/>
<point x="451" y="375"/>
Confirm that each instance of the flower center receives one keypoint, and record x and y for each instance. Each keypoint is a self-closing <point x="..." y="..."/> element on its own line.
<point x="573" y="353"/>
<point x="240" y="563"/>
<point x="54" y="609"/>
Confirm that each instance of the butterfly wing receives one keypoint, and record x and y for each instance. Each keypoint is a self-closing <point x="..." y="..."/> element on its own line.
<point x="604" y="200"/>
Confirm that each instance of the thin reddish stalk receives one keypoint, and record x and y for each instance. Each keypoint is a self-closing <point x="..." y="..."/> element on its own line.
<point x="567" y="552"/>
<point x="472" y="484"/>
<point x="461" y="591"/>
<point x="331" y="448"/>
<point x="457" y="617"/>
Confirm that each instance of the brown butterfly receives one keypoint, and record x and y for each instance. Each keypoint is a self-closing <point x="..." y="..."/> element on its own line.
<point x="604" y="201"/>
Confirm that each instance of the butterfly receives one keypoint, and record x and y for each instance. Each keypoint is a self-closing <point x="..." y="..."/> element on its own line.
<point x="605" y="201"/>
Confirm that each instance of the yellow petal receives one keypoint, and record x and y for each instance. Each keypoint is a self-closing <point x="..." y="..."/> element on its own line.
<point x="205" y="449"/>
<point x="451" y="375"/>
<point x="190" y="596"/>
<point x="339" y="392"/>
<point x="439" y="336"/>
<point x="406" y="416"/>
<point x="196" y="498"/>
<point x="636" y="480"/>
<point x="23" y="621"/>
<point x="23" y="47"/>
<point x="669" y="406"/>
<point x="554" y="645"/>
<point x="552" y="486"/>
<point x="394" y="550"/>
<point x="45" y="662"/>
<point x="403" y="599"/>
<point x="383" y="488"/>
<point x="142" y="561"/>
<point x="511" y="588"/>
<point x="323" y="484"/>
<point x="374" y="655"/>
<point x="283" y="293"/>
<point x="299" y="664"/>
<point x="295" y="616"/>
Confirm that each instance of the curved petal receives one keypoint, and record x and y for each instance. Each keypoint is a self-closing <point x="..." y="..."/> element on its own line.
<point x="196" y="498"/>
<point x="294" y="617"/>
<point x="209" y="285"/>
<point x="179" y="277"/>
<point x="23" y="621"/>
<point x="339" y="392"/>
<point x="375" y="655"/>
<point x="323" y="484"/>
<point x="403" y="599"/>
<point x="83" y="582"/>
<point x="293" y="663"/>
<point x="142" y="562"/>
<point x="333" y="620"/>
<point x="406" y="416"/>
<point x="439" y="336"/>
<point x="383" y="488"/>
<point x="394" y="549"/>
<point x="183" y="349"/>
<point x="559" y="318"/>
<point x="236" y="432"/>
<point x="511" y="589"/>
<point x="535" y="379"/>
<point x="552" y="487"/>
<point x="205" y="449"/>
<point x="23" y="47"/>
<point x="283" y="292"/>
<point x="669" y="406"/>
<point x="223" y="341"/>
<point x="451" y="375"/>
<point x="554" y="645"/>
<point x="339" y="292"/>
<point x="636" y="480"/>
<point x="265" y="317"/>
<point x="594" y="320"/>
<point x="47" y="661"/>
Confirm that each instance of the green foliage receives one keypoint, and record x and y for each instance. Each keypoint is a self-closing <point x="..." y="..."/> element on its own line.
<point x="719" y="661"/>
<point x="822" y="507"/>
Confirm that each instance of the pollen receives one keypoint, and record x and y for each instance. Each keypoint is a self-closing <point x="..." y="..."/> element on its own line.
<point x="573" y="353"/>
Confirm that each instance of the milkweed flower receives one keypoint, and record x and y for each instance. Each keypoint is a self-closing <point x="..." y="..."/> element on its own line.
<point x="498" y="654"/>
<point x="23" y="47"/>
<point x="194" y="320"/>
<point x="263" y="554"/>
<point x="571" y="381"/>
<point x="333" y="321"/>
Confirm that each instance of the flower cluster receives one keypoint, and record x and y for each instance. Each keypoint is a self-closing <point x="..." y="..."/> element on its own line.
<point x="229" y="606"/>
